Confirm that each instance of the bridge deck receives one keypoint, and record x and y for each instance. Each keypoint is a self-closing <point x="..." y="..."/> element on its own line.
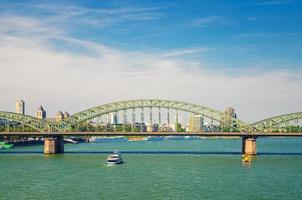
<point x="203" y="134"/>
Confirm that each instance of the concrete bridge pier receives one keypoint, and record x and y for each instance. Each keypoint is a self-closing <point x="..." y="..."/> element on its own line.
<point x="54" y="145"/>
<point x="249" y="146"/>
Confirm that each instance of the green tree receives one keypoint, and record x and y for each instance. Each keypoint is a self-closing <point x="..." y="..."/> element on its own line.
<point x="178" y="127"/>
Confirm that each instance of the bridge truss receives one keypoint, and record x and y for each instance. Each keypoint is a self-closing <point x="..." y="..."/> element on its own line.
<point x="275" y="122"/>
<point x="33" y="122"/>
<point x="150" y="103"/>
<point x="67" y="124"/>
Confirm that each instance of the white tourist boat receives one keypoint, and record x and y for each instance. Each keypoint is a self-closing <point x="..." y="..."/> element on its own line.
<point x="108" y="139"/>
<point x="114" y="159"/>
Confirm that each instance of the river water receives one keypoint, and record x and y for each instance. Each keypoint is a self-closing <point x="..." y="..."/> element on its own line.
<point x="173" y="169"/>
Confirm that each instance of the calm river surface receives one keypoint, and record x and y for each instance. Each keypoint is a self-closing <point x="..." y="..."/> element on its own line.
<point x="174" y="169"/>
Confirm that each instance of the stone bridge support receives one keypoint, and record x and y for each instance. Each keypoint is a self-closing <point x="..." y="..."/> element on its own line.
<point x="54" y="145"/>
<point x="249" y="146"/>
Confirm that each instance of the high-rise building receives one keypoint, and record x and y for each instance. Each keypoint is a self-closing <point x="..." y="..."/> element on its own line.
<point x="20" y="107"/>
<point x="41" y="113"/>
<point x="227" y="122"/>
<point x="196" y="123"/>
<point x="113" y="118"/>
<point x="59" y="116"/>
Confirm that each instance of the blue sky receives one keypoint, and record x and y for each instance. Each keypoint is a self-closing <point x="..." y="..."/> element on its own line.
<point x="237" y="34"/>
<point x="209" y="52"/>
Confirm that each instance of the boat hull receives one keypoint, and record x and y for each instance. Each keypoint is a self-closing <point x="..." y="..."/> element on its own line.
<point x="114" y="162"/>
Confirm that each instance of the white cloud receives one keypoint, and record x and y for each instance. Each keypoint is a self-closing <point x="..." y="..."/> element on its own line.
<point x="274" y="2"/>
<point x="75" y="16"/>
<point x="12" y="24"/>
<point x="268" y="35"/>
<point x="206" y="21"/>
<point x="36" y="70"/>
<point x="252" y="18"/>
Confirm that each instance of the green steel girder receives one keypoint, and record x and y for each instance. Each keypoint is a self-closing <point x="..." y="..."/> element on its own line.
<point x="273" y="122"/>
<point x="91" y="113"/>
<point x="33" y="122"/>
<point x="66" y="124"/>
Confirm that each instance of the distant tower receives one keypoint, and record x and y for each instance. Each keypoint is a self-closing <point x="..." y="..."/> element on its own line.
<point x="41" y="113"/>
<point x="66" y="114"/>
<point x="230" y="111"/>
<point x="20" y="107"/>
<point x="59" y="116"/>
<point x="227" y="119"/>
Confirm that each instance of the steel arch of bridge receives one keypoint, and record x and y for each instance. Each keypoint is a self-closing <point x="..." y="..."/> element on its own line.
<point x="91" y="113"/>
<point x="33" y="122"/>
<point x="272" y="122"/>
<point x="66" y="124"/>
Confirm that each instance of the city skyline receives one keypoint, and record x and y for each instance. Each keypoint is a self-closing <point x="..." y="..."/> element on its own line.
<point x="179" y="117"/>
<point x="79" y="55"/>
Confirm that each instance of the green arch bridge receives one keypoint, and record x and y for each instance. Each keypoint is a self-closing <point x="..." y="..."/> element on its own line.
<point x="54" y="131"/>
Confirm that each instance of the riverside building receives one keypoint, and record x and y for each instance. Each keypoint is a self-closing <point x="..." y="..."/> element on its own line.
<point x="227" y="119"/>
<point x="196" y="123"/>
<point x="59" y="116"/>
<point x="66" y="114"/>
<point x="20" y="107"/>
<point x="41" y="113"/>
